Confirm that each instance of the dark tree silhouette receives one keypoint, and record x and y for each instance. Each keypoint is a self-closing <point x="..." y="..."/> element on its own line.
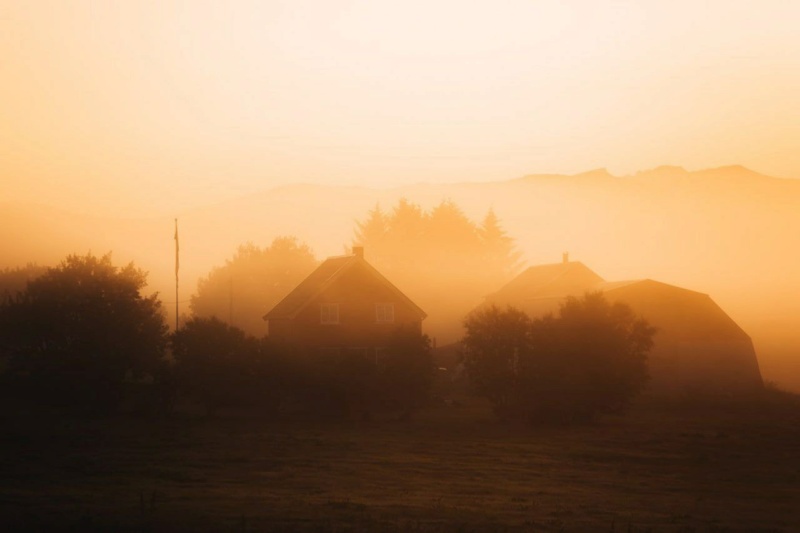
<point x="349" y="383"/>
<point x="404" y="377"/>
<point x="495" y="341"/>
<point x="252" y="282"/>
<point x="589" y="360"/>
<point x="81" y="330"/>
<point x="14" y="280"/>
<point x="217" y="365"/>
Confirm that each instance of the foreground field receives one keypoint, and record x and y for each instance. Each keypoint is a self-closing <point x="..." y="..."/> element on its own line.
<point x="453" y="469"/>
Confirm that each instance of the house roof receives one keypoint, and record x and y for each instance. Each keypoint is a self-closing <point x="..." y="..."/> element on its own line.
<point x="323" y="277"/>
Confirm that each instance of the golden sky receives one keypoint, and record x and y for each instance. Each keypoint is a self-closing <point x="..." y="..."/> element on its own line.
<point x="146" y="107"/>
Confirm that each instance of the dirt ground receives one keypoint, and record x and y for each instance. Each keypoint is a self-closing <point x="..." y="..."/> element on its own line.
<point x="448" y="469"/>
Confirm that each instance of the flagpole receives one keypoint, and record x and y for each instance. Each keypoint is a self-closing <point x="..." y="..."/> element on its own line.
<point x="177" y="264"/>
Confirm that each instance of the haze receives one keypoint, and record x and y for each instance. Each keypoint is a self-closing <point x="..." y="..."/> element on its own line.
<point x="115" y="118"/>
<point x="147" y="108"/>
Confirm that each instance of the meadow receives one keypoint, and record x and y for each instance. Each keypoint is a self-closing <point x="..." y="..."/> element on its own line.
<point x="657" y="469"/>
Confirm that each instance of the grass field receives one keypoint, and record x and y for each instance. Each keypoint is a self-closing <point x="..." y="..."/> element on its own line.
<point x="449" y="469"/>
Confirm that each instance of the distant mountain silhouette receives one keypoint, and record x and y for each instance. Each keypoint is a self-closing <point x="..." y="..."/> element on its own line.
<point x="730" y="232"/>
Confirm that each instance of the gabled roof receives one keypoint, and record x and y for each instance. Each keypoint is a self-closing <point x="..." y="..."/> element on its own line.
<point x="540" y="289"/>
<point x="609" y="286"/>
<point x="323" y="277"/>
<point x="606" y="286"/>
<point x="548" y="281"/>
<point x="559" y="280"/>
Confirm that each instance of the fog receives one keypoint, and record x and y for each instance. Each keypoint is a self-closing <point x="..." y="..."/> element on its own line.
<point x="728" y="232"/>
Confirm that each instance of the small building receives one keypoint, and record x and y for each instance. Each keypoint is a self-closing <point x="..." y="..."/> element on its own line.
<point x="697" y="348"/>
<point x="345" y="305"/>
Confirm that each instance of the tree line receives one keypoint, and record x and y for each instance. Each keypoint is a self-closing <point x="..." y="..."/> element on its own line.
<point x="445" y="262"/>
<point x="82" y="336"/>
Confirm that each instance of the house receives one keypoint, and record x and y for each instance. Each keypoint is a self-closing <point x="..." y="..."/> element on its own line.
<point x="697" y="347"/>
<point x="345" y="305"/>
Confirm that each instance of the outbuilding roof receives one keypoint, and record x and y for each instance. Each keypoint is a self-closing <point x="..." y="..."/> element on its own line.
<point x="541" y="289"/>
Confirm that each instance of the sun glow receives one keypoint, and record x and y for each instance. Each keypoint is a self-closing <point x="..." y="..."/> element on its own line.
<point x="152" y="108"/>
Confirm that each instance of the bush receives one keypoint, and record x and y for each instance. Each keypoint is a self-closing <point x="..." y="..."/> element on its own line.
<point x="405" y="377"/>
<point x="352" y="383"/>
<point x="589" y="360"/>
<point x="80" y="332"/>
<point x="217" y="365"/>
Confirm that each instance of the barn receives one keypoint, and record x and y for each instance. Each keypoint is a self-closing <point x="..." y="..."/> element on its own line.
<point x="698" y="348"/>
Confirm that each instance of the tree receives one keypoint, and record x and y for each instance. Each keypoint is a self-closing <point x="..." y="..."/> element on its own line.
<point x="78" y="332"/>
<point x="396" y="379"/>
<point x="500" y="255"/>
<point x="405" y="376"/>
<point x="373" y="230"/>
<point x="589" y="360"/>
<point x="217" y="364"/>
<point x="14" y="280"/>
<point x="243" y="290"/>
<point x="495" y="341"/>
<point x="444" y="261"/>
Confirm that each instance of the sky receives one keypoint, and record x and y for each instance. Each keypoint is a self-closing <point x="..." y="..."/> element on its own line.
<point x="144" y="108"/>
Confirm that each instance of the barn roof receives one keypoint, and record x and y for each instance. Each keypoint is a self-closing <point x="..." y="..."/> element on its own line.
<point x="323" y="277"/>
<point x="541" y="289"/>
<point x="697" y="344"/>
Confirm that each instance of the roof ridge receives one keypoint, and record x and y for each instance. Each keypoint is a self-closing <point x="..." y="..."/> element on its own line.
<point x="311" y="287"/>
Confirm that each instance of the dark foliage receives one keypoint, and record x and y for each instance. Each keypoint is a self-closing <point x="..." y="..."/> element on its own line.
<point x="495" y="342"/>
<point x="81" y="333"/>
<point x="14" y="280"/>
<point x="352" y="383"/>
<point x="589" y="360"/>
<point x="405" y="374"/>
<point x="218" y="366"/>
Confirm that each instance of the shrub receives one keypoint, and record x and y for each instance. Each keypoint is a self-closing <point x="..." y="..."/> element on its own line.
<point x="80" y="331"/>
<point x="589" y="360"/>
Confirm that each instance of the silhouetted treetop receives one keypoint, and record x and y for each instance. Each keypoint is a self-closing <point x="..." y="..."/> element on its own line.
<point x="14" y="280"/>
<point x="446" y="262"/>
<point x="83" y="327"/>
<point x="217" y="364"/>
<point x="589" y="359"/>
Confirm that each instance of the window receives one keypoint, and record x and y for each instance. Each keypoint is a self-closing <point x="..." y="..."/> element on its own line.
<point x="329" y="313"/>
<point x="384" y="313"/>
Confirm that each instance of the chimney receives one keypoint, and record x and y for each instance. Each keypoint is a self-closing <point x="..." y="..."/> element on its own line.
<point x="565" y="257"/>
<point x="358" y="251"/>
